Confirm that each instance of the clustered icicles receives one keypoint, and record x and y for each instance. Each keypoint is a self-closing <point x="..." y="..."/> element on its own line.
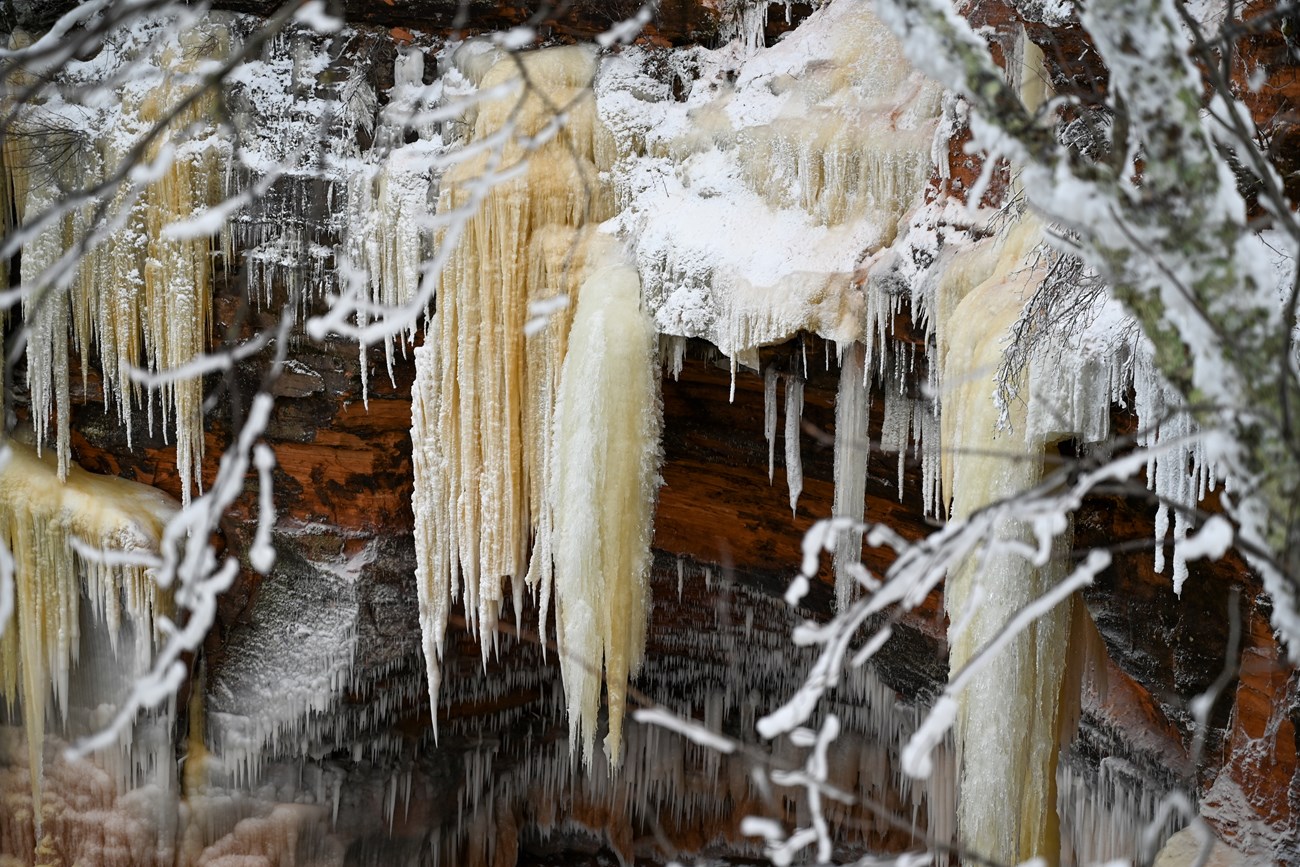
<point x="763" y="204"/>
<point x="48" y="526"/>
<point x="504" y="416"/>
<point x="140" y="296"/>
<point x="793" y="419"/>
<point x="387" y="229"/>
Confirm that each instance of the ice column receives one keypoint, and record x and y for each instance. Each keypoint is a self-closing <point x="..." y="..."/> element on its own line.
<point x="498" y="387"/>
<point x="606" y="454"/>
<point x="1007" y="730"/>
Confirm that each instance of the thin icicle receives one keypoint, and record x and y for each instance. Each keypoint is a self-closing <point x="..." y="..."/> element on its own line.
<point x="769" y="419"/>
<point x="793" y="425"/>
<point x="852" y="452"/>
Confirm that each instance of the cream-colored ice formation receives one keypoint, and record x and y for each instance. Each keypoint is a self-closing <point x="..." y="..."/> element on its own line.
<point x="52" y="530"/>
<point x="1007" y="803"/>
<point x="514" y="413"/>
<point x="604" y="459"/>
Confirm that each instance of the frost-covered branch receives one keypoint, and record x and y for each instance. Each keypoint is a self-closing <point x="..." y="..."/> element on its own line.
<point x="189" y="565"/>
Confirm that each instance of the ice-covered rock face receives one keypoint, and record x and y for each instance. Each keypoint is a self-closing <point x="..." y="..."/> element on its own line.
<point x="760" y="192"/>
<point x="751" y="202"/>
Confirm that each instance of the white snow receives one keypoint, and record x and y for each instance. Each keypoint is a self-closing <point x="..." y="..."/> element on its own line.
<point x="750" y="204"/>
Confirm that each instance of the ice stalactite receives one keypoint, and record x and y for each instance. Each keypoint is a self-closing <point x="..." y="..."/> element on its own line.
<point x="6" y="210"/>
<point x="769" y="419"/>
<point x="1007" y="801"/>
<point x="852" y="451"/>
<point x="793" y="455"/>
<point x="491" y="444"/>
<point x="43" y="520"/>
<point x="606" y="464"/>
<point x="141" y="295"/>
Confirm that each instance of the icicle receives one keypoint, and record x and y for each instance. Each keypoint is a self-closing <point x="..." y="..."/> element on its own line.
<point x="607" y="441"/>
<point x="40" y="517"/>
<point x="769" y="419"/>
<point x="1180" y="561"/>
<point x="677" y="356"/>
<point x="827" y="155"/>
<point x="793" y="457"/>
<point x="852" y="451"/>
<point x="336" y="792"/>
<point x="390" y="802"/>
<point x="896" y="428"/>
<point x="1162" y="529"/>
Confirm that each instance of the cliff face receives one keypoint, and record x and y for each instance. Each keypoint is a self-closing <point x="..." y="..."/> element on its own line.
<point x="314" y="673"/>
<point x="725" y="541"/>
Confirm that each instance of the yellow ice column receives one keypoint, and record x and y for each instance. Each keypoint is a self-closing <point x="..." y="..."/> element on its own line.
<point x="40" y="519"/>
<point x="1008" y="724"/>
<point x="488" y="459"/>
<point x="606" y="453"/>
